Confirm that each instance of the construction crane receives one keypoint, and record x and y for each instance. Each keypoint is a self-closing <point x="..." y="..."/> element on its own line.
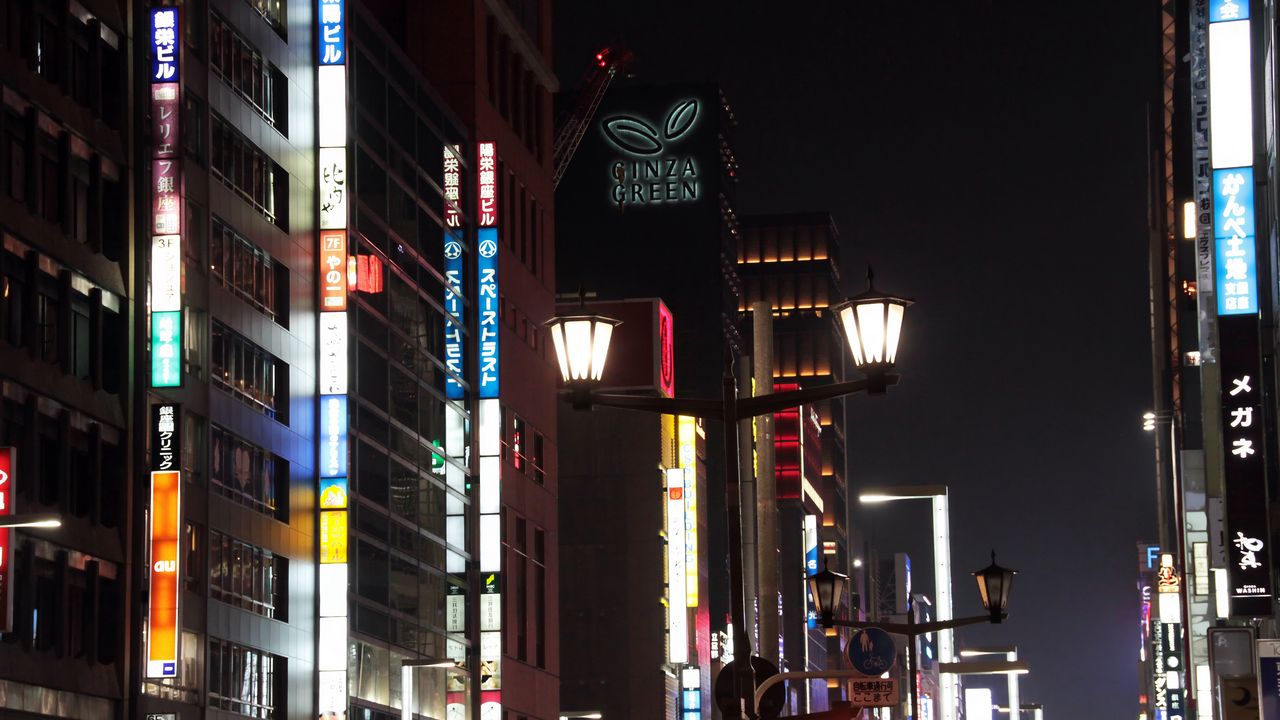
<point x="573" y="125"/>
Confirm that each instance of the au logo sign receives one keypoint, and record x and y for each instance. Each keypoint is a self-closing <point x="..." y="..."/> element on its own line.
<point x="648" y="176"/>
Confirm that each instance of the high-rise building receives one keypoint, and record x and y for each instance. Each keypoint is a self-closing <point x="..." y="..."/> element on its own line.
<point x="69" y="295"/>
<point x="646" y="210"/>
<point x="491" y="63"/>
<point x="1212" y="250"/>
<point x="791" y="261"/>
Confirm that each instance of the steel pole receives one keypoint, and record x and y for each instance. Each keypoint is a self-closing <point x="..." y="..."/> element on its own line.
<point x="911" y="659"/>
<point x="766" y="503"/>
<point x="744" y="677"/>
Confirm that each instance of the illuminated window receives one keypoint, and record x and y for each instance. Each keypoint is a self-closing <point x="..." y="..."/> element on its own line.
<point x="248" y="474"/>
<point x="246" y="681"/>
<point x="248" y="271"/>
<point x="247" y="576"/>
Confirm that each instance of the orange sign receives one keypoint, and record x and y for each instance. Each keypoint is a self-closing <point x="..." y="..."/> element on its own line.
<point x="333" y="536"/>
<point x="162" y="614"/>
<point x="333" y="270"/>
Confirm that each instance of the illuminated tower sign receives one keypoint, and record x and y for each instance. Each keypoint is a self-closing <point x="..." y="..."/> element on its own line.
<point x="1236" y="284"/>
<point x="164" y="536"/>
<point x="486" y="385"/>
<point x="166" y="200"/>
<point x="331" y="267"/>
<point x="651" y="167"/>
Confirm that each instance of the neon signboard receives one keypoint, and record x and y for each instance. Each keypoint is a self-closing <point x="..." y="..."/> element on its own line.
<point x="487" y="291"/>
<point x="648" y="173"/>
<point x="666" y="351"/>
<point x="164" y="537"/>
<point x="1234" y="237"/>
<point x="166" y="201"/>
<point x="7" y="492"/>
<point x="677" y="615"/>
<point x="334" y="286"/>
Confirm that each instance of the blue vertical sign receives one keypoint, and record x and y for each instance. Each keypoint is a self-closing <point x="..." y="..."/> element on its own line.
<point x="1223" y="10"/>
<point x="164" y="44"/>
<point x="1235" y="243"/>
<point x="453" y="309"/>
<point x="333" y="35"/>
<point x="487" y="292"/>
<point x="1268" y="681"/>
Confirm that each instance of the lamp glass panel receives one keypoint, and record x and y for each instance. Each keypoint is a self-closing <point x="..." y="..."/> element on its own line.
<point x="871" y="329"/>
<point x="896" y="311"/>
<point x="849" y="321"/>
<point x="557" y="339"/>
<point x="577" y="338"/>
<point x="600" y="348"/>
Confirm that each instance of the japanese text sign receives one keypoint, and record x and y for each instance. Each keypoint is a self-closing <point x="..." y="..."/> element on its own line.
<point x="487" y="290"/>
<point x="487" y="182"/>
<point x="453" y="309"/>
<point x="163" y="612"/>
<point x="333" y="34"/>
<point x="164" y="44"/>
<point x="1227" y="10"/>
<point x="333" y="270"/>
<point x="1234" y="239"/>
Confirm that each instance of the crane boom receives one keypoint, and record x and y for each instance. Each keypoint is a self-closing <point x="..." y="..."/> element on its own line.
<point x="573" y="127"/>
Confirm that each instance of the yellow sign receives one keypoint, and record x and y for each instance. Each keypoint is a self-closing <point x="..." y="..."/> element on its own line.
<point x="333" y="536"/>
<point x="688" y="444"/>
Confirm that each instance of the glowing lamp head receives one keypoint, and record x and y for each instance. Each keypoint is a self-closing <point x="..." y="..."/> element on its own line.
<point x="582" y="345"/>
<point x="872" y="324"/>
<point x="826" y="587"/>
<point x="993" y="586"/>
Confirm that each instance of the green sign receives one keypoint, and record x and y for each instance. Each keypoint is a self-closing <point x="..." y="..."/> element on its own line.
<point x="166" y="349"/>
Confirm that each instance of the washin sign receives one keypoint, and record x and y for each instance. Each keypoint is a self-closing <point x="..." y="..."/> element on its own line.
<point x="1235" y="241"/>
<point x="164" y="44"/>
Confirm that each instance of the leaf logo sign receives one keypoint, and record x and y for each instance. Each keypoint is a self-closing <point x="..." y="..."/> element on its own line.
<point x="634" y="134"/>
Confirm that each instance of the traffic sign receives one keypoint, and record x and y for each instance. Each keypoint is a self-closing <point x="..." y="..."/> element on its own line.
<point x="872" y="651"/>
<point x="731" y="706"/>
<point x="874" y="692"/>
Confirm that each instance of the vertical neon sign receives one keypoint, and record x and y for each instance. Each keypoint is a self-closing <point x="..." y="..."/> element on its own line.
<point x="166" y="201"/>
<point x="333" y="352"/>
<point x="1235" y="253"/>
<point x="6" y="539"/>
<point x="486" y="385"/>
<point x="164" y="536"/>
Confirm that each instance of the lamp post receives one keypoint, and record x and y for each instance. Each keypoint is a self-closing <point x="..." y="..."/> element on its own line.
<point x="941" y="511"/>
<point x="1010" y="653"/>
<point x="32" y="520"/>
<point x="993" y="586"/>
<point x="872" y="324"/>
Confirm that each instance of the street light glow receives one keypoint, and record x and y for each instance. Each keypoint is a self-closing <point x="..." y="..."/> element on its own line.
<point x="30" y="521"/>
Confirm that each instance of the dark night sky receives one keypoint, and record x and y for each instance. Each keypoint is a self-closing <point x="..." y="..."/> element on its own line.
<point x="988" y="158"/>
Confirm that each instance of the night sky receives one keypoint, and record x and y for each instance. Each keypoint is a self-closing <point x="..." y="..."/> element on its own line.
<point x="988" y="158"/>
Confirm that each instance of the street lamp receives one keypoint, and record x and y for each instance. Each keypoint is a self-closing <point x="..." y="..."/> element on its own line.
<point x="872" y="325"/>
<point x="827" y="585"/>
<point x="1009" y="653"/>
<point x="941" y="512"/>
<point x="32" y="520"/>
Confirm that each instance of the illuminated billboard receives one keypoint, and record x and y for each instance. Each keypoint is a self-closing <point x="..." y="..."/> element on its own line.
<point x="334" y="283"/>
<point x="1231" y="125"/>
<point x="6" y="538"/>
<point x="164" y="540"/>
<point x="165" y="277"/>
<point x="677" y="615"/>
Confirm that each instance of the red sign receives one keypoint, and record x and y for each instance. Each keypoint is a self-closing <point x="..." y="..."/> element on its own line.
<point x="369" y="274"/>
<point x="488" y="182"/>
<point x="166" y="208"/>
<point x="667" y="352"/>
<point x="6" y="539"/>
<point x="162" y="613"/>
<point x="333" y="265"/>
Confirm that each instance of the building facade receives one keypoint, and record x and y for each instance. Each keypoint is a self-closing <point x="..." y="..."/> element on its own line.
<point x="1212" y="249"/>
<point x="70" y="296"/>
<point x="791" y="262"/>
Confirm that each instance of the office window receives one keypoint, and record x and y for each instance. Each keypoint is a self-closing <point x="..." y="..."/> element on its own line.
<point x="240" y="165"/>
<point x="246" y="681"/>
<point x="538" y="458"/>
<point x="275" y="12"/>
<point x="248" y="372"/>
<point x="247" y="576"/>
<point x="248" y="271"/>
<point x="253" y="78"/>
<point x="248" y="474"/>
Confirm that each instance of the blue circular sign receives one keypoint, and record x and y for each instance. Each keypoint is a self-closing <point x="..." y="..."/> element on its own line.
<point x="872" y="651"/>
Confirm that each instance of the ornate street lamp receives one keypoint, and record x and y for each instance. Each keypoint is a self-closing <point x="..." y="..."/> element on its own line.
<point x="872" y="323"/>
<point x="582" y="346"/>
<point x="993" y="585"/>
<point x="826" y="587"/>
